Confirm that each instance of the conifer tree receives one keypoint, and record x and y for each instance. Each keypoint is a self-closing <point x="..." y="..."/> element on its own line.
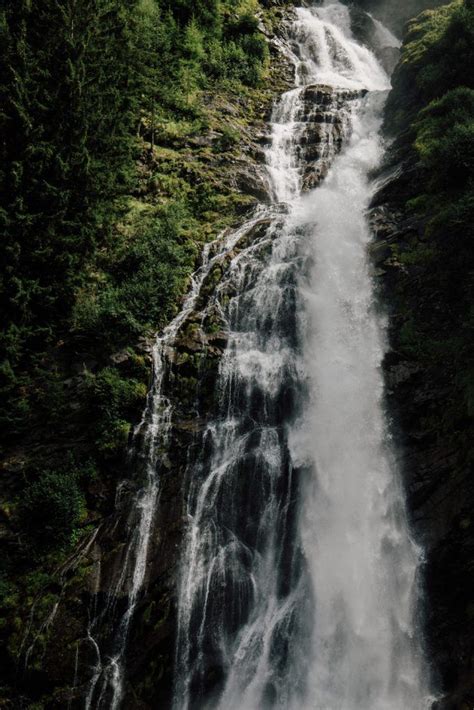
<point x="68" y="105"/>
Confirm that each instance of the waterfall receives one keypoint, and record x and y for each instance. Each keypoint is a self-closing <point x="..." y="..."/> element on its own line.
<point x="298" y="583"/>
<point x="298" y="575"/>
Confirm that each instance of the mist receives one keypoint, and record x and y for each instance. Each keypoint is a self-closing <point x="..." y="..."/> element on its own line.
<point x="396" y="14"/>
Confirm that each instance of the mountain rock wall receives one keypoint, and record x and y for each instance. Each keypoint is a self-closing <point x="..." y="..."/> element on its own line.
<point x="422" y="220"/>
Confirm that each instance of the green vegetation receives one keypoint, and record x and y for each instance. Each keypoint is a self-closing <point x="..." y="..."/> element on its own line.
<point x="52" y="507"/>
<point x="103" y="202"/>
<point x="119" y="122"/>
<point x="432" y="109"/>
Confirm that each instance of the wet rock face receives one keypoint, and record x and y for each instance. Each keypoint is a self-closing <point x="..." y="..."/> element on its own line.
<point x="325" y="123"/>
<point x="438" y="481"/>
<point x="251" y="180"/>
<point x="191" y="361"/>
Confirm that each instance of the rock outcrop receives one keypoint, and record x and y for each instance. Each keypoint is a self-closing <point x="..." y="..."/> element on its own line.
<point x="325" y="124"/>
<point x="436" y="474"/>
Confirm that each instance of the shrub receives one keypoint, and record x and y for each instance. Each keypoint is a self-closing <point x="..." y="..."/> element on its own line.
<point x="52" y="507"/>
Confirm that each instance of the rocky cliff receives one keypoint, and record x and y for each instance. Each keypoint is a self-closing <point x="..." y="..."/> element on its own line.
<point x="424" y="267"/>
<point x="436" y="474"/>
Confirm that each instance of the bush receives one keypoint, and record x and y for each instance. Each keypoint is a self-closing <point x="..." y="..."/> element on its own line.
<point x="445" y="139"/>
<point x="143" y="281"/>
<point x="114" y="401"/>
<point x="52" y="507"/>
<point x="113" y="394"/>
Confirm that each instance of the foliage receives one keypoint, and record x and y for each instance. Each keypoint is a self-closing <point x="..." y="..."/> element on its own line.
<point x="436" y="116"/>
<point x="113" y="401"/>
<point x="78" y="78"/>
<point x="103" y="208"/>
<point x="437" y="54"/>
<point x="52" y="507"/>
<point x="148" y="275"/>
<point x="101" y="214"/>
<point x="445" y="139"/>
<point x="110" y="180"/>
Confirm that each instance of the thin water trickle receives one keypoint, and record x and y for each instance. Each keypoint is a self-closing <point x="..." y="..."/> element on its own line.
<point x="107" y="683"/>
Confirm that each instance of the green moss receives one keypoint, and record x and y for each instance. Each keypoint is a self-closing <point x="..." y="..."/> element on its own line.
<point x="213" y="324"/>
<point x="425" y="31"/>
<point x="8" y="593"/>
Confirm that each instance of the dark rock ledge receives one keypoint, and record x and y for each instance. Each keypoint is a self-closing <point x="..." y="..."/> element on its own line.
<point x="438" y="482"/>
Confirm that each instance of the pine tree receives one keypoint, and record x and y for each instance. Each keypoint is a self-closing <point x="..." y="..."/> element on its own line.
<point x="68" y="107"/>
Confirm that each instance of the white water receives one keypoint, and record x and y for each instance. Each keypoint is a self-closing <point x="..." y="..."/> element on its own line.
<point x="383" y="36"/>
<point x="329" y="55"/>
<point x="299" y="575"/>
<point x="362" y="563"/>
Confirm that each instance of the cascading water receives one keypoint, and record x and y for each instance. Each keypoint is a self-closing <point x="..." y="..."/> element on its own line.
<point x="298" y="575"/>
<point x="106" y="685"/>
